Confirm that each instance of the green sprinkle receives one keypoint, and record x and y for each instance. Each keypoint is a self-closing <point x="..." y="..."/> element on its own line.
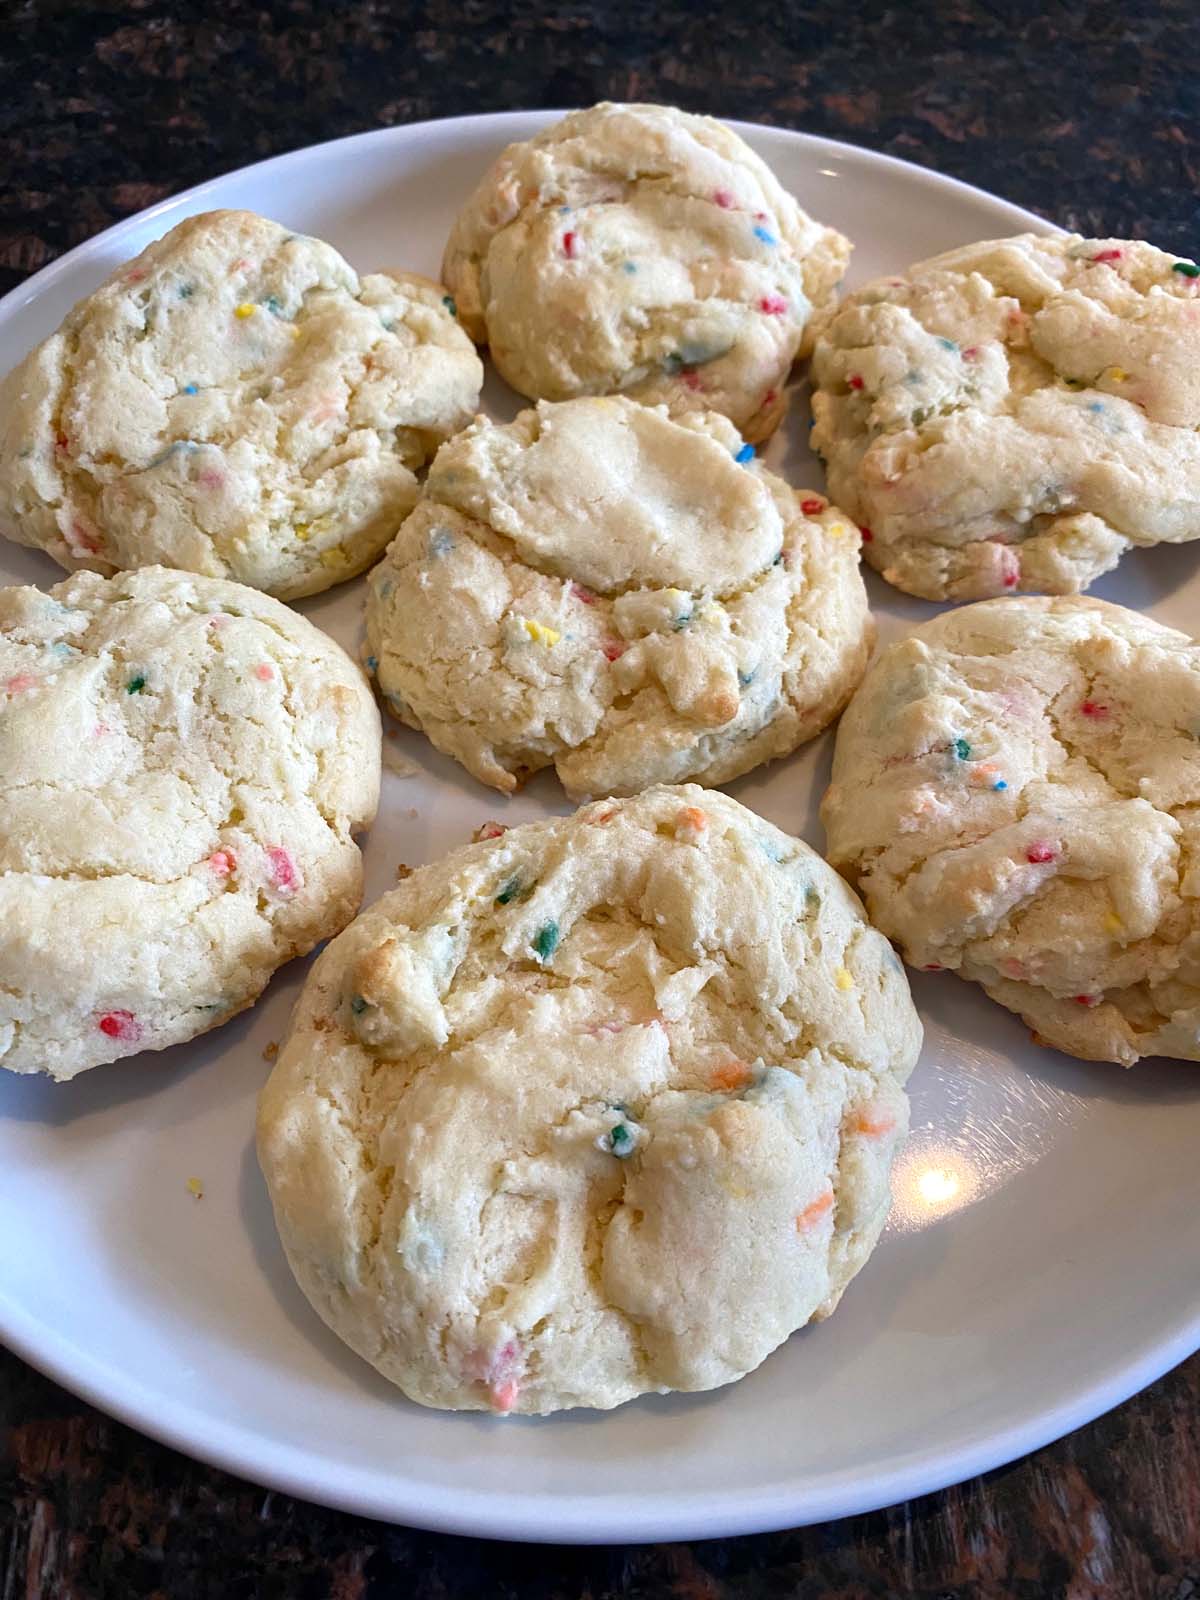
<point x="620" y="1141"/>
<point x="358" y="1005"/>
<point x="388" y="324"/>
<point x="273" y="306"/>
<point x="372" y="663"/>
<point x="672" y="364"/>
<point x="947" y="344"/>
<point x="746" y="678"/>
<point x="629" y="266"/>
<point x="681" y="622"/>
<point x="545" y="941"/>
<point x="448" y="302"/>
<point x="135" y="685"/>
<point x="1188" y="268"/>
<point x="962" y="749"/>
<point x="186" y="291"/>
<point x="509" y="890"/>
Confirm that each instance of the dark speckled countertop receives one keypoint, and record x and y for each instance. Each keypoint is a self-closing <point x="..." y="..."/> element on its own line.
<point x="1087" y="113"/>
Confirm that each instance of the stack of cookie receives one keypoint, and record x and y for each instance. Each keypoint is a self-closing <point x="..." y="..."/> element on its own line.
<point x="606" y="1104"/>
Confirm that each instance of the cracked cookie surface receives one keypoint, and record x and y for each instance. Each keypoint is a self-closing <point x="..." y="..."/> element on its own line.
<point x="1016" y="795"/>
<point x="624" y="596"/>
<point x="182" y="761"/>
<point x="641" y="249"/>
<point x="1016" y="414"/>
<point x="235" y="402"/>
<point x="601" y="1106"/>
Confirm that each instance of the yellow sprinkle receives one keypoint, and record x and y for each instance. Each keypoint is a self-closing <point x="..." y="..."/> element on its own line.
<point x="843" y="979"/>
<point x="301" y="530"/>
<point x="244" y="310"/>
<point x="837" y="529"/>
<point x="1117" y="374"/>
<point x="195" y="1188"/>
<point x="540" y="634"/>
<point x="293" y="331"/>
<point x="336" y="557"/>
<point x="1112" y="922"/>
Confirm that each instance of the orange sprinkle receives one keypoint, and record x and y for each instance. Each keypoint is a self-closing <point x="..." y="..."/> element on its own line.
<point x="814" y="1212"/>
<point x="602" y="816"/>
<point x="731" y="1076"/>
<point x="873" y="1127"/>
<point x="691" y="817"/>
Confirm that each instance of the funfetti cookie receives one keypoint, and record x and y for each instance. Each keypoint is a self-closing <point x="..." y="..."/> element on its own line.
<point x="1016" y="414"/>
<point x="183" y="762"/>
<point x="604" y="1106"/>
<point x="1016" y="795"/>
<point x="640" y="249"/>
<point x="626" y="597"/>
<point x="236" y="402"/>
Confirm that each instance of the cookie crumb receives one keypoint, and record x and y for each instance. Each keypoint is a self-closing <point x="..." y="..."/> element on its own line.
<point x="271" y="1051"/>
<point x="195" y="1188"/>
<point x="403" y="870"/>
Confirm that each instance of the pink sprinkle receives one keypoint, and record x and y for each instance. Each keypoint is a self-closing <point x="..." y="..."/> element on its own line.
<point x="23" y="680"/>
<point x="223" y="862"/>
<point x="760" y="216"/>
<point x="691" y="379"/>
<point x="812" y="506"/>
<point x="1092" y="708"/>
<point x="614" y="649"/>
<point x="1107" y="255"/>
<point x="121" y="1025"/>
<point x="210" y="478"/>
<point x="724" y="199"/>
<point x="1040" y="852"/>
<point x="263" y="672"/>
<point x="239" y="265"/>
<point x="773" y="305"/>
<point x="283" y="869"/>
<point x="136" y="275"/>
<point x="80" y="540"/>
<point x="568" y="244"/>
<point x="1013" y="967"/>
<point x="867" y="535"/>
<point x="585" y="596"/>
<point x="855" y="381"/>
<point x="504" y="1395"/>
<point x="100" y="730"/>
<point x="970" y="353"/>
<point x="770" y="397"/>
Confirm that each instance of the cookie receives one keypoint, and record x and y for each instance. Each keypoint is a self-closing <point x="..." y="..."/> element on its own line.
<point x="1014" y="415"/>
<point x="235" y="402"/>
<point x="624" y="596"/>
<point x="182" y="764"/>
<point x="640" y="249"/>
<point x="1016" y="795"/>
<point x="605" y="1105"/>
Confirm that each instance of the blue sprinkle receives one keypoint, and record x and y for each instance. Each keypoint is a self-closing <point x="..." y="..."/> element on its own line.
<point x="190" y="388"/>
<point x="448" y="302"/>
<point x="186" y="291"/>
<point x="764" y="234"/>
<point x="1096" y="405"/>
<point x="1000" y="784"/>
<point x="62" y="649"/>
<point x="273" y="306"/>
<point x="185" y="445"/>
<point x="629" y="266"/>
<point x="746" y="453"/>
<point x="372" y="663"/>
<point x="440" y="543"/>
<point x="745" y="678"/>
<point x="564" y="208"/>
<point x="947" y="344"/>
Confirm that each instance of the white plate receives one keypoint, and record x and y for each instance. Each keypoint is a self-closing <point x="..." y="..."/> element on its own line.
<point x="1043" y="1256"/>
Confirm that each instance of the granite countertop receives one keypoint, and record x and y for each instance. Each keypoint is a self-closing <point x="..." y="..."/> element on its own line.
<point x="1089" y="114"/>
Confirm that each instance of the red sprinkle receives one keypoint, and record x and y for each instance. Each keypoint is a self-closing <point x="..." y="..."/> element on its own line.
<point x="136" y="275"/>
<point x="1107" y="255"/>
<point x="1038" y="853"/>
<point x="283" y="868"/>
<point x="934" y="966"/>
<point x="489" y="830"/>
<point x="1092" y="708"/>
<point x="724" y="199"/>
<point x="691" y="378"/>
<point x="614" y="649"/>
<point x="770" y="397"/>
<point x="61" y="443"/>
<point x="584" y="595"/>
<point x="811" y="507"/>
<point x="1087" y="999"/>
<point x="855" y="381"/>
<point x="773" y="305"/>
<point x="867" y="535"/>
<point x="970" y="352"/>
<point x="568" y="243"/>
<point x="121" y="1025"/>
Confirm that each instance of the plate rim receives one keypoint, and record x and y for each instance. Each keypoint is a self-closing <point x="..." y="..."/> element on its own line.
<point x="602" y="1518"/>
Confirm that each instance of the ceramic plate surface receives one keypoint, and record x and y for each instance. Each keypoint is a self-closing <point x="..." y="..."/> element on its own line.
<point x="1043" y="1255"/>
